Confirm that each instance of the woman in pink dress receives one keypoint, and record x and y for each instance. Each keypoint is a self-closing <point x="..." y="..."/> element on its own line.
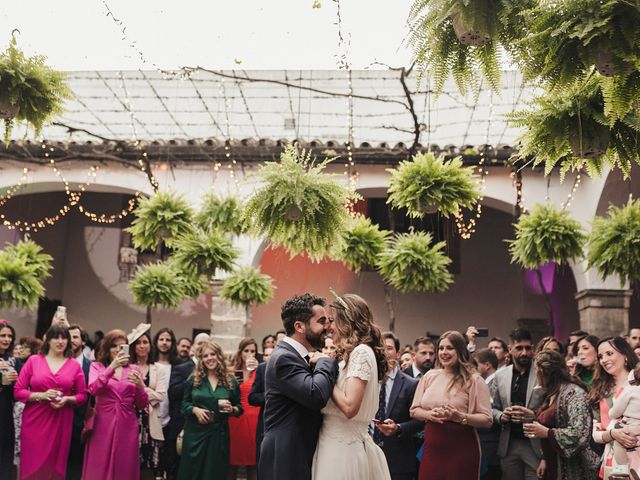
<point x="50" y="384"/>
<point x="113" y="450"/>
<point x="453" y="400"/>
<point x="242" y="429"/>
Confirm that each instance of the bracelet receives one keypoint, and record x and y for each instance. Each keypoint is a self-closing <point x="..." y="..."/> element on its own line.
<point x="465" y="420"/>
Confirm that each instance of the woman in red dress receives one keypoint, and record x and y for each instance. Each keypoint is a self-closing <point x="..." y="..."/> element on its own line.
<point x="243" y="429"/>
<point x="453" y="400"/>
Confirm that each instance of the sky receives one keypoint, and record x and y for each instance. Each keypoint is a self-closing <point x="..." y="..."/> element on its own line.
<point x="218" y="34"/>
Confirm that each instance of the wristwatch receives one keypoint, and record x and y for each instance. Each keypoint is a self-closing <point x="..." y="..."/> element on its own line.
<point x="398" y="430"/>
<point x="464" y="420"/>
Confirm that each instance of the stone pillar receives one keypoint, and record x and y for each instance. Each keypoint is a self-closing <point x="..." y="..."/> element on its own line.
<point x="227" y="320"/>
<point x="604" y="312"/>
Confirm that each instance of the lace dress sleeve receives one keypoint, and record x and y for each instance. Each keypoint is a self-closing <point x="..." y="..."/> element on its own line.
<point x="361" y="363"/>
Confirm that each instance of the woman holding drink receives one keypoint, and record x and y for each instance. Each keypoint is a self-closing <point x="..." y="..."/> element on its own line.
<point x="9" y="367"/>
<point x="211" y="396"/>
<point x="51" y="384"/>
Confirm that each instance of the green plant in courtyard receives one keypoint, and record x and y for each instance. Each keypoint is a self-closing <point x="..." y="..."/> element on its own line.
<point x="300" y="206"/>
<point x="568" y="127"/>
<point x="363" y="243"/>
<point x="614" y="243"/>
<point x="165" y="216"/>
<point x="426" y="184"/>
<point x="157" y="284"/>
<point x="32" y="255"/>
<point x="19" y="284"/>
<point x="545" y="235"/>
<point x="223" y="214"/>
<point x="413" y="263"/>
<point x="205" y="252"/>
<point x="464" y="37"/>
<point x="30" y="91"/>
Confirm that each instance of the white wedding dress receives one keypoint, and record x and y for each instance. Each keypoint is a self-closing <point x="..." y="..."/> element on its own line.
<point x="345" y="449"/>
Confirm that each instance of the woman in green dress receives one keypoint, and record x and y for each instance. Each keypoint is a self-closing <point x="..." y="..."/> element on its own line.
<point x="211" y="394"/>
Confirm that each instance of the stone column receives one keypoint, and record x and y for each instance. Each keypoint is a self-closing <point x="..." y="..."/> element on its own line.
<point x="227" y="320"/>
<point x="604" y="312"/>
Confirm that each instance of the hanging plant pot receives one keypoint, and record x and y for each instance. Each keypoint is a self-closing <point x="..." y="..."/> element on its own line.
<point x="8" y="111"/>
<point x="164" y="233"/>
<point x="607" y="65"/>
<point x="467" y="34"/>
<point x="431" y="208"/>
<point x="294" y="214"/>
<point x="595" y="141"/>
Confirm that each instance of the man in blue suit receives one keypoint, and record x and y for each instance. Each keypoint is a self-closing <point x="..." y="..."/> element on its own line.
<point x="298" y="384"/>
<point x="394" y="428"/>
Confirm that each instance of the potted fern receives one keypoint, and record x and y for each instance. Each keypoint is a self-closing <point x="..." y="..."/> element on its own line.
<point x="157" y="284"/>
<point x="164" y="217"/>
<point x="33" y="257"/>
<point x="569" y="37"/>
<point x="363" y="243"/>
<point x="412" y="262"/>
<point x="223" y="214"/>
<point x="299" y="206"/>
<point x="206" y="252"/>
<point x="568" y="127"/>
<point x="246" y="286"/>
<point x="614" y="243"/>
<point x="455" y="37"/>
<point x="30" y="91"/>
<point x="429" y="184"/>
<point x="546" y="235"/>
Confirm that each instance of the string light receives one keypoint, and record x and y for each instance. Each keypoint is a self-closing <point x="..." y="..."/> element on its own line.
<point x="14" y="189"/>
<point x="227" y="144"/>
<point x="108" y="219"/>
<point x="570" y="195"/>
<point x="516" y="179"/>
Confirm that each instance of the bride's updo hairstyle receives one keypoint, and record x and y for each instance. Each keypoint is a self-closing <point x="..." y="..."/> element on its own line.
<point x="354" y="322"/>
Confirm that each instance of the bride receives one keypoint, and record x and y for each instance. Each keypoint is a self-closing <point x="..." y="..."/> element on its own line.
<point x="345" y="449"/>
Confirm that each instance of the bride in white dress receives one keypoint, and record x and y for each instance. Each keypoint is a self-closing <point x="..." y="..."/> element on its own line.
<point x="345" y="449"/>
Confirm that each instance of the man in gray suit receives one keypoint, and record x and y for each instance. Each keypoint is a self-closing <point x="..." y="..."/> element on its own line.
<point x="512" y="392"/>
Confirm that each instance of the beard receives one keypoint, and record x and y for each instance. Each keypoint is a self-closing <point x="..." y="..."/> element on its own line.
<point x="522" y="362"/>
<point x="316" y="340"/>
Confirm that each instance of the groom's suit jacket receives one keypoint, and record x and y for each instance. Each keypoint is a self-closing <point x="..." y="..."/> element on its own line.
<point x="294" y="396"/>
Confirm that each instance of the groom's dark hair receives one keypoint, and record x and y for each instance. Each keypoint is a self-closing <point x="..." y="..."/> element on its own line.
<point x="299" y="309"/>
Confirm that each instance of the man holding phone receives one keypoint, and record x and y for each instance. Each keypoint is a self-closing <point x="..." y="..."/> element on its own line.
<point x="473" y="333"/>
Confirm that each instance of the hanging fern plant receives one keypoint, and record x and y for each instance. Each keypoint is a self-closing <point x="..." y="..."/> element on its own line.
<point x="19" y="284"/>
<point x="614" y="243"/>
<point x="157" y="284"/>
<point x="299" y="206"/>
<point x="223" y="214"/>
<point x="363" y="243"/>
<point x="427" y="184"/>
<point x="568" y="127"/>
<point x="455" y="37"/>
<point x="163" y="217"/>
<point x="205" y="252"/>
<point x="33" y="257"/>
<point x="545" y="235"/>
<point x="412" y="263"/>
<point x="30" y="91"/>
<point x="247" y="286"/>
<point x="569" y="37"/>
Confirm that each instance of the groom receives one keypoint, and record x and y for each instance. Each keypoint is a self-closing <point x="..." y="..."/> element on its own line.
<point x="298" y="384"/>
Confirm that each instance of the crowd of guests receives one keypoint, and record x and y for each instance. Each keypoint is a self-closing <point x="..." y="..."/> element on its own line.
<point x="139" y="405"/>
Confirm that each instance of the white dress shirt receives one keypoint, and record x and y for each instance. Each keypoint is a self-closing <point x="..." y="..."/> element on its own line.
<point x="303" y="352"/>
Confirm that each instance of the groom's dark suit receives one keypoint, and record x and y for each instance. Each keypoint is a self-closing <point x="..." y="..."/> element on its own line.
<point x="294" y="396"/>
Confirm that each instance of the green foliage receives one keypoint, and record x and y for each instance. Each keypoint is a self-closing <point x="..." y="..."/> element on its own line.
<point x="163" y="217"/>
<point x="299" y="206"/>
<point x="426" y="182"/>
<point x="412" y="263"/>
<point x="33" y="257"/>
<point x="363" y="242"/>
<point x="157" y="284"/>
<point x="438" y="49"/>
<point x="223" y="214"/>
<point x="247" y="286"/>
<point x="205" y="252"/>
<point x="614" y="243"/>
<point x="546" y="235"/>
<point x="192" y="283"/>
<point x="576" y="112"/>
<point x="19" y="284"/>
<point x="569" y="36"/>
<point x="36" y="90"/>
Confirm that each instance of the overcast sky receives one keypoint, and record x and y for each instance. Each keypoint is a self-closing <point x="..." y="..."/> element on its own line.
<point x="278" y="34"/>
